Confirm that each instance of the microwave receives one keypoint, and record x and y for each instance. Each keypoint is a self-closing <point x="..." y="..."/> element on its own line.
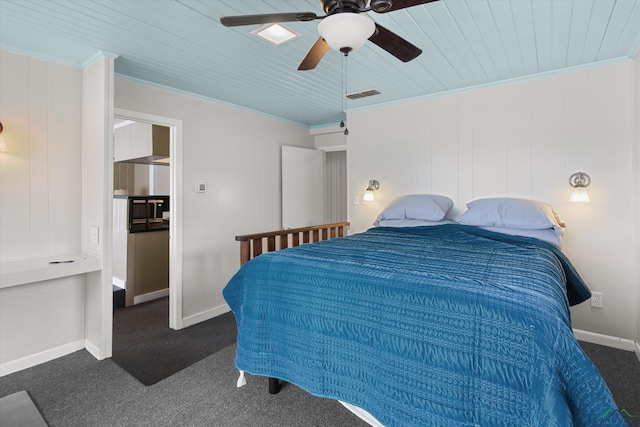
<point x="144" y="211"/>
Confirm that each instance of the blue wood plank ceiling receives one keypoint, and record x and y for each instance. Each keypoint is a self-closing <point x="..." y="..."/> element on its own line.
<point x="182" y="45"/>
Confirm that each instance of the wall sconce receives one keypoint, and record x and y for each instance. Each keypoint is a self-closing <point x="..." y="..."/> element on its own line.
<point x="368" y="194"/>
<point x="579" y="181"/>
<point x="3" y="145"/>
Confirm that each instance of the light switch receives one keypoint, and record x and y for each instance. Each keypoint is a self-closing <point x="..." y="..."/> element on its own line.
<point x="94" y="232"/>
<point x="201" y="187"/>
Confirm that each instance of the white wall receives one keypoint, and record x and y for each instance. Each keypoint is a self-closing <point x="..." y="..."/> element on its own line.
<point x="40" y="203"/>
<point x="237" y="154"/>
<point x="97" y="200"/>
<point x="49" y="111"/>
<point x="40" y="181"/>
<point x="636" y="92"/>
<point x="521" y="140"/>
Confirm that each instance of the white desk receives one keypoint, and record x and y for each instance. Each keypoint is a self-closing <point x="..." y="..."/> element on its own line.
<point x="15" y="273"/>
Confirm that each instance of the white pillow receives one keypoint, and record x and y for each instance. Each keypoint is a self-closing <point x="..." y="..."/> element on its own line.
<point x="426" y="207"/>
<point x="411" y="223"/>
<point x="549" y="235"/>
<point x="512" y="213"/>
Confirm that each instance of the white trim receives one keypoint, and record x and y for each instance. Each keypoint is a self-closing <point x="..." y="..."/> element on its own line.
<point x="325" y="129"/>
<point x="123" y="124"/>
<point x="93" y="350"/>
<point x="151" y="296"/>
<point x="41" y="357"/>
<point x="122" y="284"/>
<point x="205" y="315"/>
<point x="99" y="55"/>
<point x="637" y="350"/>
<point x="175" y="226"/>
<point x="606" y="340"/>
<point x="328" y="148"/>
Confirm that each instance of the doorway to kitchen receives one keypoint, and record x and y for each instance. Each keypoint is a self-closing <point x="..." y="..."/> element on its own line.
<point x="155" y="177"/>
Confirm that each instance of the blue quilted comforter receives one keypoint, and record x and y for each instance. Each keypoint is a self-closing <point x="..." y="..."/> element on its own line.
<point x="428" y="326"/>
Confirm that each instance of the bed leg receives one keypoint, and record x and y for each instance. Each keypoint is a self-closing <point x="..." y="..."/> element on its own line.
<point x="274" y="385"/>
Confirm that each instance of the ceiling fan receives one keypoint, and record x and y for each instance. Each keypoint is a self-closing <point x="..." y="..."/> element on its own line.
<point x="345" y="27"/>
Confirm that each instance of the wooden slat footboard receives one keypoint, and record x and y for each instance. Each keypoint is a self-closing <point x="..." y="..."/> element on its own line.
<point x="252" y="245"/>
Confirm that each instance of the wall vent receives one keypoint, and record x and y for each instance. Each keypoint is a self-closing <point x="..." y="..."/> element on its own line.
<point x="363" y="94"/>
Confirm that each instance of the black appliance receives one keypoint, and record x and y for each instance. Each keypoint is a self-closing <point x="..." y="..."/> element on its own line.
<point x="146" y="213"/>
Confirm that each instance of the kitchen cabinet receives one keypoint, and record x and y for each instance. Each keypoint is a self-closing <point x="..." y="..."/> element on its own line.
<point x="140" y="260"/>
<point x="141" y="143"/>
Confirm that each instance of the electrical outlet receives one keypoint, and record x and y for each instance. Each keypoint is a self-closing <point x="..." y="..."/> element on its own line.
<point x="597" y="299"/>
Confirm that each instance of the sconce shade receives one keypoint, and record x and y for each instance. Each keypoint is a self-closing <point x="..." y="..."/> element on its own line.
<point x="368" y="194"/>
<point x="579" y="194"/>
<point x="346" y="30"/>
<point x="579" y="181"/>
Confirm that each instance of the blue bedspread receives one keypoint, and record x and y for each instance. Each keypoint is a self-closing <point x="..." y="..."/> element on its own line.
<point x="428" y="326"/>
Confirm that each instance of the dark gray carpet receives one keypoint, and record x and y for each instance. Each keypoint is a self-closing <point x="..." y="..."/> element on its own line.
<point x="77" y="390"/>
<point x="145" y="346"/>
<point x="621" y="371"/>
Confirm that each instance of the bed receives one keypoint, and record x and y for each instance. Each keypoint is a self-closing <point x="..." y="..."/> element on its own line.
<point x="443" y="325"/>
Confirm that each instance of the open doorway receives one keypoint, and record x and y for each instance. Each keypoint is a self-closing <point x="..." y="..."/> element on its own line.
<point x="172" y="215"/>
<point x="141" y="212"/>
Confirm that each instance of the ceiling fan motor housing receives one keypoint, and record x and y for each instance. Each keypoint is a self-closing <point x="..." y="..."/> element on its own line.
<point x="380" y="6"/>
<point x="338" y="6"/>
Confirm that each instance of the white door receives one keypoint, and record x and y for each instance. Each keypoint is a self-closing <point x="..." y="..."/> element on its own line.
<point x="302" y="187"/>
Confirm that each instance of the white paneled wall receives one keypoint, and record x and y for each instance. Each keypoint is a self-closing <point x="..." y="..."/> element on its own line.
<point x="521" y="140"/>
<point x="40" y="178"/>
<point x="40" y="206"/>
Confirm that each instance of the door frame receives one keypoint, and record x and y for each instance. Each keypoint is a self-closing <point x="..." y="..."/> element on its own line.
<point x="175" y="206"/>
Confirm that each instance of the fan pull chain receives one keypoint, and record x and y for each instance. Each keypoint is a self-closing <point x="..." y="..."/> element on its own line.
<point x="343" y="123"/>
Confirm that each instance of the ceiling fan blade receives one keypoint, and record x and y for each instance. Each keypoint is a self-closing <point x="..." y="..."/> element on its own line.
<point x="235" y="21"/>
<point x="319" y="48"/>
<point x="394" y="44"/>
<point x="401" y="4"/>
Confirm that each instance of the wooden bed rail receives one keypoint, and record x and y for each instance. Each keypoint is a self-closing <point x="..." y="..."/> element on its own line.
<point x="251" y="245"/>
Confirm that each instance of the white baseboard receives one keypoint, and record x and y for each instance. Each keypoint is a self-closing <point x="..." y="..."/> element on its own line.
<point x="606" y="340"/>
<point x="205" y="315"/>
<point x="41" y="357"/>
<point x="122" y="284"/>
<point x="93" y="349"/>
<point x="151" y="296"/>
<point x="638" y="350"/>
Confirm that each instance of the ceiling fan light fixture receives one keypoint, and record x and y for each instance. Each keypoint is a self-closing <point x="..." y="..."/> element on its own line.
<point x="276" y="33"/>
<point x="346" y="30"/>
